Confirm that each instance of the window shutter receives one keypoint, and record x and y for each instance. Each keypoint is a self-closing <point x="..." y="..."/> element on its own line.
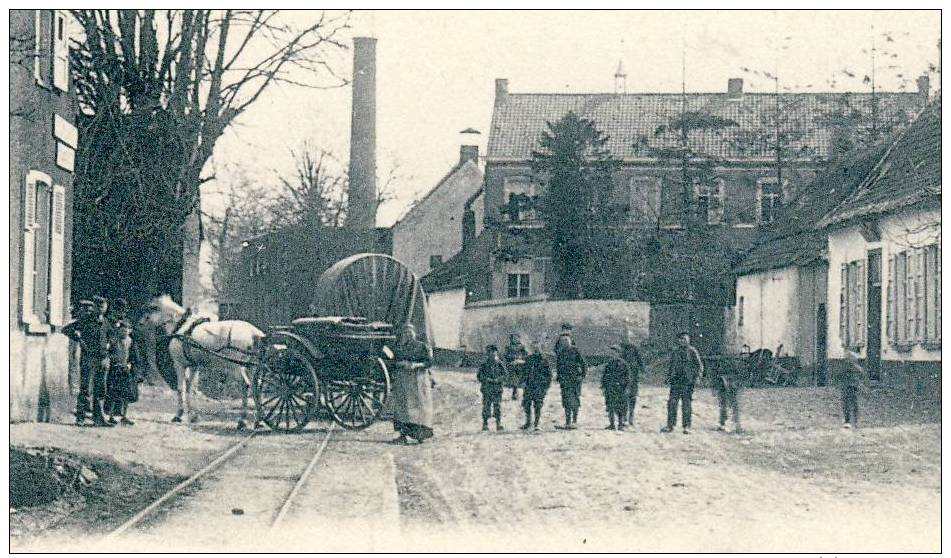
<point x="57" y="256"/>
<point x="60" y="51"/>
<point x="909" y="296"/>
<point x="890" y="302"/>
<point x="937" y="293"/>
<point x="844" y="307"/>
<point x="920" y="303"/>
<point x="860" y="306"/>
<point x="29" y="243"/>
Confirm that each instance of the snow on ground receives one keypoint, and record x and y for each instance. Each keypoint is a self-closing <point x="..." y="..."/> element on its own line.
<point x="796" y="482"/>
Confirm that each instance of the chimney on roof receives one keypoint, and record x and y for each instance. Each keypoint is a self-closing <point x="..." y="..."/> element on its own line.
<point x="501" y="90"/>
<point x="469" y="153"/>
<point x="734" y="88"/>
<point x="924" y="85"/>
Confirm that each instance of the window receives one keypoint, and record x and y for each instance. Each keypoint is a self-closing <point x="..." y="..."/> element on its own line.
<point x="739" y="311"/>
<point x="914" y="297"/>
<point x="44" y="224"/>
<point x="769" y="196"/>
<point x="520" y="195"/>
<point x="645" y="198"/>
<point x="60" y="51"/>
<point x="519" y="285"/>
<point x="710" y="201"/>
<point x="852" y="305"/>
<point x="435" y="261"/>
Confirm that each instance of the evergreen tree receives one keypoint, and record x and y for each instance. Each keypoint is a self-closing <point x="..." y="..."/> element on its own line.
<point x="577" y="202"/>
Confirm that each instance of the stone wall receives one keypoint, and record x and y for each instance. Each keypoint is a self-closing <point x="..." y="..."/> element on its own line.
<point x="598" y="324"/>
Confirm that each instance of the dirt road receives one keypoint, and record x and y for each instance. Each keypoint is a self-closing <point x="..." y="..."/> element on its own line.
<point x="797" y="482"/>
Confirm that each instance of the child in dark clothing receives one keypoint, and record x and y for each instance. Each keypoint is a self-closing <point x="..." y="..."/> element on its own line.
<point x="853" y="379"/>
<point x="537" y="382"/>
<point x="491" y="376"/>
<point x="122" y="385"/>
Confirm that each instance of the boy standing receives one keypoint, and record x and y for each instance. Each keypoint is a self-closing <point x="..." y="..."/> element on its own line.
<point x="615" y="382"/>
<point x="572" y="369"/>
<point x="514" y="357"/>
<point x="123" y="388"/>
<point x="537" y="382"/>
<point x="853" y="378"/>
<point x="491" y="377"/>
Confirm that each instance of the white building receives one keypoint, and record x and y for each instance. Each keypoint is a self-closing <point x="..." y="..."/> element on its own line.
<point x="884" y="245"/>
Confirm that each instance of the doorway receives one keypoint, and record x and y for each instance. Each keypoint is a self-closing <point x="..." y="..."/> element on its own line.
<point x="821" y="355"/>
<point x="873" y="353"/>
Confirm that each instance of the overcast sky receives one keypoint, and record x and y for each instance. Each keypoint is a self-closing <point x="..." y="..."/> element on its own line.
<point x="436" y="72"/>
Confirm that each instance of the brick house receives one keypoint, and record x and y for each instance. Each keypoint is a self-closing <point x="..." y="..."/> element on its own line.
<point x="746" y="193"/>
<point x="431" y="232"/>
<point x="43" y="140"/>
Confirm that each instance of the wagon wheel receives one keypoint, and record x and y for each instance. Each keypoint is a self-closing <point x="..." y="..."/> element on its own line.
<point x="285" y="388"/>
<point x="355" y="403"/>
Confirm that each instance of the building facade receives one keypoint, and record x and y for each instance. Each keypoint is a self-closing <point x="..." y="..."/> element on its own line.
<point x="745" y="195"/>
<point x="432" y="231"/>
<point x="884" y="250"/>
<point x="43" y="142"/>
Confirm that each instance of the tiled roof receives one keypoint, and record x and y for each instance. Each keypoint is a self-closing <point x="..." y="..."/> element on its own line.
<point x="908" y="174"/>
<point x="791" y="239"/>
<point x="519" y="119"/>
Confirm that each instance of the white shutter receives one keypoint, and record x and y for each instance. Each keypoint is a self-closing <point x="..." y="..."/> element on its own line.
<point x="57" y="255"/>
<point x="29" y="243"/>
<point x="61" y="51"/>
<point x="38" y="45"/>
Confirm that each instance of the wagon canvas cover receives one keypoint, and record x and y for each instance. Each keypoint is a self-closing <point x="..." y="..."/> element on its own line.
<point x="376" y="287"/>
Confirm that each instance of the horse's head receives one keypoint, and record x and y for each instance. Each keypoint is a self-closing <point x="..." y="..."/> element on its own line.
<point x="164" y="312"/>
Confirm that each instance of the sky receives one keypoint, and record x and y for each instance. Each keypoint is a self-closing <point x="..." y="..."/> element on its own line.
<point x="436" y="75"/>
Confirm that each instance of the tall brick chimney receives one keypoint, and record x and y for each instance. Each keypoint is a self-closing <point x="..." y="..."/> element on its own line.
<point x="362" y="193"/>
<point x="501" y="90"/>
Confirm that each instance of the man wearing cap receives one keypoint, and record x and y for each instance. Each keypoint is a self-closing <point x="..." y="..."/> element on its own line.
<point x="686" y="367"/>
<point x="632" y="356"/>
<point x="615" y="383"/>
<point x="412" y="388"/>
<point x="91" y="330"/>
<point x="571" y="370"/>
<point x="491" y="376"/>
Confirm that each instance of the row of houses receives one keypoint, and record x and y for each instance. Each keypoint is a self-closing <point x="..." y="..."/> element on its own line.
<point x="855" y="264"/>
<point x="784" y="294"/>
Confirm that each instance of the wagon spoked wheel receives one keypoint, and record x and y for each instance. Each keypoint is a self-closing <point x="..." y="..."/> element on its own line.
<point x="285" y="393"/>
<point x="356" y="402"/>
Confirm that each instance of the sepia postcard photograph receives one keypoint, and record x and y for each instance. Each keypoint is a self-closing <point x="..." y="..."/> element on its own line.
<point x="484" y="281"/>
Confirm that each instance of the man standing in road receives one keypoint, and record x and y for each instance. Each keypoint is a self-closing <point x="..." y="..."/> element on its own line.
<point x="491" y="376"/>
<point x="572" y="369"/>
<point x="686" y="367"/>
<point x="91" y="330"/>
<point x="615" y="382"/>
<point x="632" y="356"/>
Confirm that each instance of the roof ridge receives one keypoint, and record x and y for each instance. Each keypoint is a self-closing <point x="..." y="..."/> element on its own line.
<point x="872" y="174"/>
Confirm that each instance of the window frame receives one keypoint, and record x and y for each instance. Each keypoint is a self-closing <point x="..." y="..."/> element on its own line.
<point x="526" y="216"/>
<point x="780" y="196"/>
<point x="522" y="286"/>
<point x="714" y="216"/>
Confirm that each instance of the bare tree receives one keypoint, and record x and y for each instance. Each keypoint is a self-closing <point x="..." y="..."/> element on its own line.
<point x="157" y="90"/>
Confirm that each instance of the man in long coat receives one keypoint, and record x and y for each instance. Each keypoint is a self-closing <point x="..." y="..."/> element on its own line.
<point x="412" y="388"/>
<point x="537" y="382"/>
<point x="632" y="356"/>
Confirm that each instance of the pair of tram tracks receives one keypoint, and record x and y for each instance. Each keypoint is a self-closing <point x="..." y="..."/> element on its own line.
<point x="216" y="464"/>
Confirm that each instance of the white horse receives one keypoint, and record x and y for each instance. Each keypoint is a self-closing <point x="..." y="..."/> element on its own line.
<point x="197" y="341"/>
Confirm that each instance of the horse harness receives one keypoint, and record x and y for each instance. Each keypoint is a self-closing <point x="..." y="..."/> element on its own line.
<point x="189" y="344"/>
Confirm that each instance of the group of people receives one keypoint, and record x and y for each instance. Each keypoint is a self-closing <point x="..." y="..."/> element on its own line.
<point x="108" y="371"/>
<point x="521" y="366"/>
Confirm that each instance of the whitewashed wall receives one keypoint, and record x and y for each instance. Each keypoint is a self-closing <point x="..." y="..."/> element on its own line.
<point x="445" y="309"/>
<point x="598" y="324"/>
<point x="770" y="303"/>
<point x="39" y="369"/>
<point x="898" y="232"/>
